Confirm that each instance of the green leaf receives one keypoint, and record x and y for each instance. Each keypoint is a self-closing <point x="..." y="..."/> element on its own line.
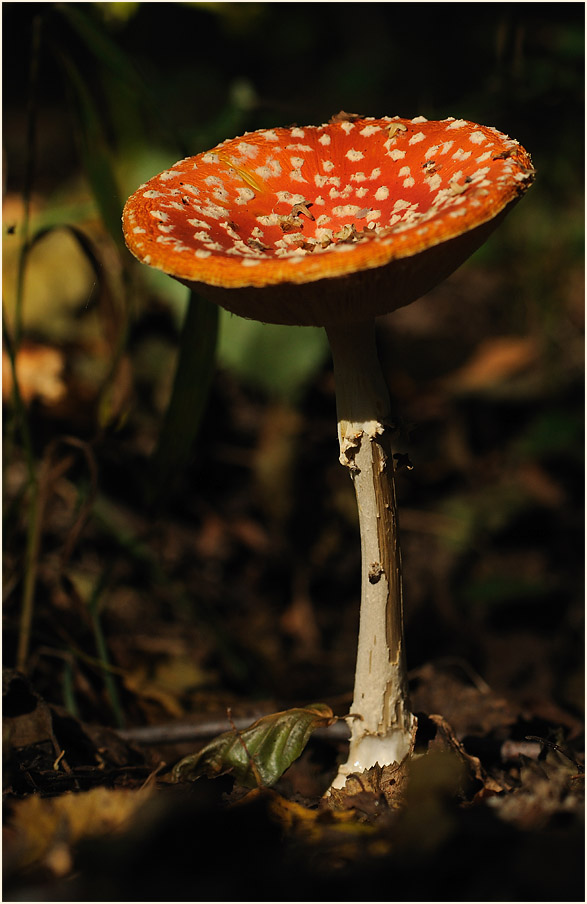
<point x="195" y="368"/>
<point x="94" y="150"/>
<point x="98" y="42"/>
<point x="260" y="754"/>
<point x="280" y="360"/>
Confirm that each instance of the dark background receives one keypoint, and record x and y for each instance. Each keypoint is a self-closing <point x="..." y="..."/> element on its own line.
<point x="238" y="580"/>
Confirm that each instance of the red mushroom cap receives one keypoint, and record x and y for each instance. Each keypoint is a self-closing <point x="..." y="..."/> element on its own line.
<point x="368" y="214"/>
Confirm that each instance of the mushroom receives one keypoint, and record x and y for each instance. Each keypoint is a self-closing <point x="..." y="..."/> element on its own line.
<point x="332" y="226"/>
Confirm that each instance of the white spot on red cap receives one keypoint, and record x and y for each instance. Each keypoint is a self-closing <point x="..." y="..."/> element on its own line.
<point x="272" y="219"/>
<point x="202" y="253"/>
<point x="159" y="215"/>
<point x="347" y="126"/>
<point x="248" y="150"/>
<point x="396" y="154"/>
<point x="417" y="138"/>
<point x="382" y="193"/>
<point x="298" y="133"/>
<point x="244" y="195"/>
<point x="370" y="130"/>
<point x="457" y="124"/>
<point x="286" y="197"/>
<point x="324" y="139"/>
<point x="354" y="155"/>
<point x="477" y="137"/>
<point x="347" y="210"/>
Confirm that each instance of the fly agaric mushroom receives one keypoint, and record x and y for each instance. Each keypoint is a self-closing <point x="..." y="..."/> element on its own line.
<point x="332" y="226"/>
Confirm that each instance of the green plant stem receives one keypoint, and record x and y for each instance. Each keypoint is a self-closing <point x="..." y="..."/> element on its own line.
<point x="20" y="420"/>
<point x="30" y="161"/>
<point x="30" y="575"/>
<point x="103" y="655"/>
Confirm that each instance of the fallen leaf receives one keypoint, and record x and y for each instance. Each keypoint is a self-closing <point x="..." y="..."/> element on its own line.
<point x="260" y="754"/>
<point x="548" y="789"/>
<point x="344" y="117"/>
<point x="494" y="361"/>
<point x="446" y="741"/>
<point x="39" y="374"/>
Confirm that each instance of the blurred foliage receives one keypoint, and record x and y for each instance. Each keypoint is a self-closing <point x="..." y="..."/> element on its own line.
<point x="250" y="567"/>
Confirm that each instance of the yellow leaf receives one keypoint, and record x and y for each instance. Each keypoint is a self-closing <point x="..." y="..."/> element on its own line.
<point x="42" y="830"/>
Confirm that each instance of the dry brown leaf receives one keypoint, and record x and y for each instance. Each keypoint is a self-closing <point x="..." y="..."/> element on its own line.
<point x="26" y="718"/>
<point x="344" y="117"/>
<point x="494" y="361"/>
<point x="470" y="709"/>
<point x="548" y="789"/>
<point x="39" y="373"/>
<point x="446" y="741"/>
<point x="141" y="683"/>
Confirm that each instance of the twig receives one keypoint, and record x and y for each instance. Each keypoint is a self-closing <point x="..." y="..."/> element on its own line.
<point x="559" y="749"/>
<point x="186" y="732"/>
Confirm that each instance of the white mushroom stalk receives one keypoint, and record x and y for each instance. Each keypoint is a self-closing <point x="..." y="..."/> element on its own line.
<point x="383" y="729"/>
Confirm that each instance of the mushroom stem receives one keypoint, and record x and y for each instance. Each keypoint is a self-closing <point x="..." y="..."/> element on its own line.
<point x="382" y="726"/>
